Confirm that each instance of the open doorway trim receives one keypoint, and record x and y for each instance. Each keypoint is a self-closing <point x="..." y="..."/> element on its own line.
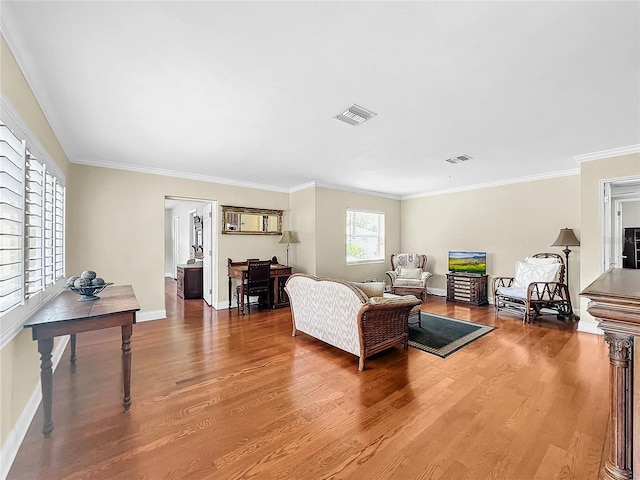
<point x="607" y="222"/>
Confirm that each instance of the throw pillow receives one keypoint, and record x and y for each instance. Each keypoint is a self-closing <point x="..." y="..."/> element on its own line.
<point x="410" y="273"/>
<point x="541" y="261"/>
<point x="527" y="273"/>
<point x="370" y="289"/>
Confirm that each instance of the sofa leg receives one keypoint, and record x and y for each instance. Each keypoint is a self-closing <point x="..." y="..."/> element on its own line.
<point x="361" y="364"/>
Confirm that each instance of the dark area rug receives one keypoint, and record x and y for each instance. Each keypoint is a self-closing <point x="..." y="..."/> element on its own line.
<point x="443" y="335"/>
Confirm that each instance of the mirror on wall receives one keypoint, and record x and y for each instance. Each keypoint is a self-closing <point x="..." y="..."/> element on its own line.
<point x="251" y="221"/>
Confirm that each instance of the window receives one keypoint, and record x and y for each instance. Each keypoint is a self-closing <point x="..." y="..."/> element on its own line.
<point x="31" y="224"/>
<point x="365" y="236"/>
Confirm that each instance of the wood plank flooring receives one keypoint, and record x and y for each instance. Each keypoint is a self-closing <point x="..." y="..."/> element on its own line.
<point x="219" y="396"/>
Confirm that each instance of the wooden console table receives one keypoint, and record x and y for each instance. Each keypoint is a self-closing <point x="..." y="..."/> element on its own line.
<point x="65" y="315"/>
<point x="615" y="303"/>
<point x="279" y="275"/>
<point x="467" y="288"/>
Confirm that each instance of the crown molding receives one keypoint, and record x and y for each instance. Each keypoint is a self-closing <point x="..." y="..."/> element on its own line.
<point x="176" y="174"/>
<point x="498" y="183"/>
<point x="11" y="34"/>
<point x="342" y="188"/>
<point x="613" y="152"/>
<point x="12" y="119"/>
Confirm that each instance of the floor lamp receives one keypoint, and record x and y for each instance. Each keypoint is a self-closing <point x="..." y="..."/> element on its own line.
<point x="288" y="238"/>
<point x="566" y="238"/>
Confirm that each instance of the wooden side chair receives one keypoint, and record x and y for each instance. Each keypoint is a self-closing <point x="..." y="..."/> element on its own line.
<point x="257" y="283"/>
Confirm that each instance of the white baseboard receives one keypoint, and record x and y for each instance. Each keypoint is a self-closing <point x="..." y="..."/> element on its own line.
<point x="150" y="315"/>
<point x="12" y="444"/>
<point x="440" y="292"/>
<point x="589" y="327"/>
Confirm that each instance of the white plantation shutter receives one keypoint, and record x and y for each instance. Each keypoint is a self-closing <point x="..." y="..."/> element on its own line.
<point x="49" y="247"/>
<point x="34" y="227"/>
<point x="58" y="236"/>
<point x="32" y="206"/>
<point x="12" y="163"/>
<point x="365" y="236"/>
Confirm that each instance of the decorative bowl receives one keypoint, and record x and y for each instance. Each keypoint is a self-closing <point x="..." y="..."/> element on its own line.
<point x="89" y="293"/>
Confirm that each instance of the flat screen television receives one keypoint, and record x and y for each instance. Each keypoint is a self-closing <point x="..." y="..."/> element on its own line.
<point x="468" y="262"/>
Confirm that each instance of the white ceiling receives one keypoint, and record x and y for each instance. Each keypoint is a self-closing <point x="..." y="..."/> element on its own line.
<point x="246" y="91"/>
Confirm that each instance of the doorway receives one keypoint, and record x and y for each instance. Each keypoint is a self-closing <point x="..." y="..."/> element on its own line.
<point x="620" y="211"/>
<point x="191" y="238"/>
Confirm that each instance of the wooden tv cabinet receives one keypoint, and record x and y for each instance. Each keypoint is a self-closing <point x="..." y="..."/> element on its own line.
<point x="467" y="288"/>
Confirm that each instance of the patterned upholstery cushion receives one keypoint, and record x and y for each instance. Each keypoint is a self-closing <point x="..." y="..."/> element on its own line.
<point x="407" y="260"/>
<point x="326" y="310"/>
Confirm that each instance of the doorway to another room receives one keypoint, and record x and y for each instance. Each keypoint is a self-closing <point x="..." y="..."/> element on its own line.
<point x="191" y="247"/>
<point x="621" y="223"/>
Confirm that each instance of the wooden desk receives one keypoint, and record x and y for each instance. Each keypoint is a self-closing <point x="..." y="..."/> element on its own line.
<point x="615" y="302"/>
<point x="279" y="275"/>
<point x="65" y="315"/>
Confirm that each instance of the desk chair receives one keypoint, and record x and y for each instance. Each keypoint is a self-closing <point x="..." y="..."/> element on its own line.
<point x="256" y="283"/>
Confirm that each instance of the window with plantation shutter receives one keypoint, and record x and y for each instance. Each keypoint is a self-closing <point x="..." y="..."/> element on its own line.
<point x="365" y="236"/>
<point x="12" y="155"/>
<point x="32" y="206"/>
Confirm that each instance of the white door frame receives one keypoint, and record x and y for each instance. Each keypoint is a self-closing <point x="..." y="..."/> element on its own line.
<point x="210" y="254"/>
<point x="608" y="200"/>
<point x="175" y="238"/>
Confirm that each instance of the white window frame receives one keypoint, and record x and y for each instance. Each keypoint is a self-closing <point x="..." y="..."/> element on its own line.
<point x="351" y="237"/>
<point x="12" y="321"/>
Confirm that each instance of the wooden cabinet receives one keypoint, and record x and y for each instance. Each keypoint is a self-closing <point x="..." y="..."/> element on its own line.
<point x="631" y="248"/>
<point x="189" y="281"/>
<point x="467" y="288"/>
<point x="615" y="303"/>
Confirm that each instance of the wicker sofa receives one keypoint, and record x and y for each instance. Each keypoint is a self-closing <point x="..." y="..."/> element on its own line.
<point x="343" y="315"/>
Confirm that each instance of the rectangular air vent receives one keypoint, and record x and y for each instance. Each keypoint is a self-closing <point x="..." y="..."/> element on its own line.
<point x="354" y="115"/>
<point x="458" y="159"/>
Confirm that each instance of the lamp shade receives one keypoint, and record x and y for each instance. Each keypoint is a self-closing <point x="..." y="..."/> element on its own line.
<point x="566" y="238"/>
<point x="287" y="237"/>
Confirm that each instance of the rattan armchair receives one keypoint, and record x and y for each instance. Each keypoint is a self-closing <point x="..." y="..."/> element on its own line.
<point x="527" y="295"/>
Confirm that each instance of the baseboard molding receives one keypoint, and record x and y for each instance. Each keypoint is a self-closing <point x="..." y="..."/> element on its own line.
<point x="440" y="292"/>
<point x="589" y="327"/>
<point x="150" y="315"/>
<point x="11" y="446"/>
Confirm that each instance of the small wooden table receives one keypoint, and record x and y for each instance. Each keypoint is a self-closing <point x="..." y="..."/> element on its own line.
<point x="279" y="275"/>
<point x="65" y="315"/>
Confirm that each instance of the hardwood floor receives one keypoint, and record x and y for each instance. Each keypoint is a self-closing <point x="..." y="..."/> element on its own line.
<point x="220" y="396"/>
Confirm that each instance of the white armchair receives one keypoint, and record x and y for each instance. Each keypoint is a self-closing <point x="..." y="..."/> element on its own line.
<point x="408" y="274"/>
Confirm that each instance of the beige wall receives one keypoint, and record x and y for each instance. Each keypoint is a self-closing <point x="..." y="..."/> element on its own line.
<point x="120" y="232"/>
<point x="303" y="223"/>
<point x="19" y="359"/>
<point x="591" y="175"/>
<point x="331" y="217"/>
<point x="509" y="222"/>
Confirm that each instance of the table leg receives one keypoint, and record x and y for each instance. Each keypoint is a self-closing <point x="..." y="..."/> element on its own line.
<point x="73" y="348"/>
<point x="241" y="299"/>
<point x="127" y="330"/>
<point x="45" y="347"/>
<point x="229" y="293"/>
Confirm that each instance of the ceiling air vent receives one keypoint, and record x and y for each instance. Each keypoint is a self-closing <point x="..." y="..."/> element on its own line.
<point x="354" y="115"/>
<point x="458" y="159"/>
